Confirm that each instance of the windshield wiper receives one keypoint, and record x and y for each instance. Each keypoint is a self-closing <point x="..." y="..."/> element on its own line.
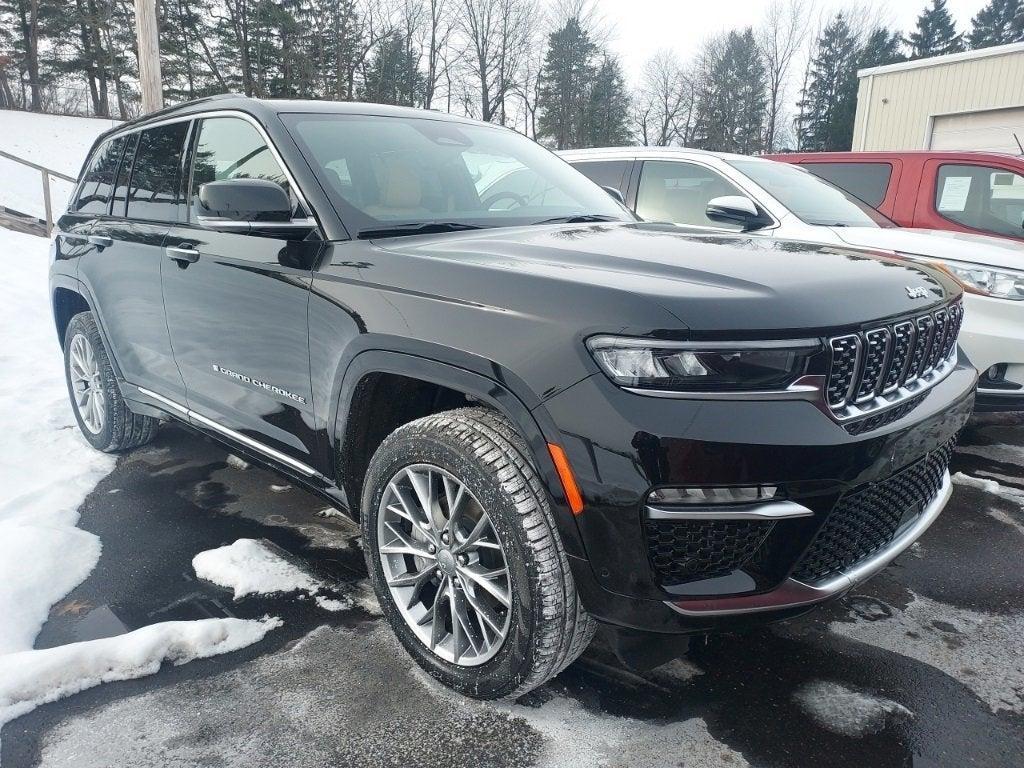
<point x="415" y="228"/>
<point x="579" y="218"/>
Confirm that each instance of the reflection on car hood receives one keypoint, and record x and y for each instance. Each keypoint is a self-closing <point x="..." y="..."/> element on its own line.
<point x="709" y="282"/>
<point x="938" y="244"/>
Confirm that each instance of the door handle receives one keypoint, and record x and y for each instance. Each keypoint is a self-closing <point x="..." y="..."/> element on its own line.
<point x="184" y="256"/>
<point x="101" y="241"/>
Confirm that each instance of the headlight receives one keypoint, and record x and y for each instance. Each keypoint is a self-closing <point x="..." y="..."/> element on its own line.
<point x="987" y="281"/>
<point x="688" y="366"/>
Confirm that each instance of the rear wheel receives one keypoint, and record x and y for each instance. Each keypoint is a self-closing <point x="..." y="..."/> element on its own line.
<point x="100" y="410"/>
<point x="464" y="557"/>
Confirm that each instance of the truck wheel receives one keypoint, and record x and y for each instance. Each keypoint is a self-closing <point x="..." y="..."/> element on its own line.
<point x="464" y="557"/>
<point x="96" y="400"/>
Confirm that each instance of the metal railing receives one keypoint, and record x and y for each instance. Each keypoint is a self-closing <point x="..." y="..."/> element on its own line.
<point x="45" y="173"/>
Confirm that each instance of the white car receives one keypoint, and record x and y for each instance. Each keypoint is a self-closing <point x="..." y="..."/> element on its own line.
<point x="717" y="192"/>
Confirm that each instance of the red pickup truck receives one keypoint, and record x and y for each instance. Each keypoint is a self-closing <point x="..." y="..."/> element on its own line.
<point x="979" y="192"/>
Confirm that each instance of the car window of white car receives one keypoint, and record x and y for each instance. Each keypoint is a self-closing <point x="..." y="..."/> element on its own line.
<point x="679" y="192"/>
<point x="809" y="198"/>
<point x="981" y="197"/>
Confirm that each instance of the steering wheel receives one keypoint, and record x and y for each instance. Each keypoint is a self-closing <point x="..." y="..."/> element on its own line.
<point x="518" y="199"/>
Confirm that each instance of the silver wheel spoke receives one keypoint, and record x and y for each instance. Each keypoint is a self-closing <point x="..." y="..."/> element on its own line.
<point x="452" y="589"/>
<point x="86" y="384"/>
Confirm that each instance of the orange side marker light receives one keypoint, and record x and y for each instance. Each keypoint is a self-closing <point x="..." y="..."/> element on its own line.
<point x="572" y="491"/>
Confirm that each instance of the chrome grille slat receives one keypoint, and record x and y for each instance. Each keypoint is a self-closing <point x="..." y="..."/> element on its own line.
<point x="883" y="367"/>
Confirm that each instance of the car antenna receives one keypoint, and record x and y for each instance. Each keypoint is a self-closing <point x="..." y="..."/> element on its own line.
<point x="1019" y="145"/>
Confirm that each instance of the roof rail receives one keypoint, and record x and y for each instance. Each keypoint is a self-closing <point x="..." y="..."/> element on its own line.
<point x="175" y="107"/>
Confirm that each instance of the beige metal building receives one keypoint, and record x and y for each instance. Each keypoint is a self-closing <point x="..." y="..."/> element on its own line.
<point x="972" y="100"/>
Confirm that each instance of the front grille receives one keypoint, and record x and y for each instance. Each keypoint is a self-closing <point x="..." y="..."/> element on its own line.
<point x="871" y="367"/>
<point x="686" y="550"/>
<point x="865" y="521"/>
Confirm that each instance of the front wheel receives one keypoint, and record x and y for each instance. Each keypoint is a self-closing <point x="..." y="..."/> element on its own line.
<point x="100" y="410"/>
<point x="464" y="557"/>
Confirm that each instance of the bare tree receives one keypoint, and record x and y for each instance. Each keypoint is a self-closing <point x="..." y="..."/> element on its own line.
<point x="780" y="39"/>
<point x="663" y="109"/>
<point x="497" y="33"/>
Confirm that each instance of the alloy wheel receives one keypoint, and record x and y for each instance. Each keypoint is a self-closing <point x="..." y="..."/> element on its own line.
<point x="444" y="564"/>
<point x="87" y="384"/>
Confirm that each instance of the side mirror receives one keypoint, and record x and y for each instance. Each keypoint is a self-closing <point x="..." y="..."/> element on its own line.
<point x="616" y="194"/>
<point x="244" y="204"/>
<point x="736" y="209"/>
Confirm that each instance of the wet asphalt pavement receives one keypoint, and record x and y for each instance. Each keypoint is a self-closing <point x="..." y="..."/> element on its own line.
<point x="922" y="666"/>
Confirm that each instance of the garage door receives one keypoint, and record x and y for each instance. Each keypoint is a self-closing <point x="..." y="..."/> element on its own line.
<point x="990" y="131"/>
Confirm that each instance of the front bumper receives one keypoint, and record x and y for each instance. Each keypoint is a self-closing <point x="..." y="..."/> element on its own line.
<point x="991" y="335"/>
<point x="620" y="445"/>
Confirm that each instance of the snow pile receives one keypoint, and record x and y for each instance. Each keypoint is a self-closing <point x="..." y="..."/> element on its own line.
<point x="842" y="710"/>
<point x="59" y="143"/>
<point x="46" y="467"/>
<point x="249" y="568"/>
<point x="31" y="678"/>
<point x="989" y="486"/>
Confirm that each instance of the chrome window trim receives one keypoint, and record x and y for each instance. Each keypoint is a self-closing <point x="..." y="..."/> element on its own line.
<point x="245" y="440"/>
<point x="236" y="113"/>
<point x="792" y="593"/>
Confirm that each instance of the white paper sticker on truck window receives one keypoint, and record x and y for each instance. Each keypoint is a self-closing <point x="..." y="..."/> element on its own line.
<point x="954" y="193"/>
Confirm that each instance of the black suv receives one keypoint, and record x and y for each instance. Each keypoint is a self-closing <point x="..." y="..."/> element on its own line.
<point x="544" y="413"/>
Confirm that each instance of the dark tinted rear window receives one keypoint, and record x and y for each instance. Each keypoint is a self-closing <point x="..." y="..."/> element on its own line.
<point x="94" y="195"/>
<point x="155" y="189"/>
<point x="866" y="181"/>
<point x="607" y="173"/>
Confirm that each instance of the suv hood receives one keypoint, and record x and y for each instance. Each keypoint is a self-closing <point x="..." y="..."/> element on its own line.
<point x="938" y="244"/>
<point x="711" y="283"/>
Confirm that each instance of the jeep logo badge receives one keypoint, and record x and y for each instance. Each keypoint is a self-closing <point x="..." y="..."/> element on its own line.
<point x="917" y="293"/>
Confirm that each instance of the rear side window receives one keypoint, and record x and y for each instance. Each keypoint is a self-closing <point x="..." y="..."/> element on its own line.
<point x="231" y="148"/>
<point x="865" y="181"/>
<point x="94" y="194"/>
<point x="156" y="176"/>
<point x="981" y="197"/>
<point x="607" y="173"/>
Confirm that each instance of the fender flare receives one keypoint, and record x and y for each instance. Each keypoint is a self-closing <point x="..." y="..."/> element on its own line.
<point x="534" y="425"/>
<point x="69" y="283"/>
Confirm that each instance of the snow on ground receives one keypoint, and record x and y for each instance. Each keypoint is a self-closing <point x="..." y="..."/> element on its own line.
<point x="59" y="143"/>
<point x="46" y="466"/>
<point x="46" y="471"/>
<point x="249" y="568"/>
<point x="846" y="711"/>
<point x="31" y="678"/>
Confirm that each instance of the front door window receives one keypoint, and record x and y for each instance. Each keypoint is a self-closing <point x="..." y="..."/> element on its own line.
<point x="981" y="197"/>
<point x="680" y="192"/>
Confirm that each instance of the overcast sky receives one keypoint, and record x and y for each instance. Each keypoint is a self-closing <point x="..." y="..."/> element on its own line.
<point x="641" y="27"/>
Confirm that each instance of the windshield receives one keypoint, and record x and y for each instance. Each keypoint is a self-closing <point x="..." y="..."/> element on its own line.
<point x="809" y="198"/>
<point x="396" y="173"/>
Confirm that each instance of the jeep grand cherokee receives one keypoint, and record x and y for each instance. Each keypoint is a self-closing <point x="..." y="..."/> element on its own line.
<point x="545" y="414"/>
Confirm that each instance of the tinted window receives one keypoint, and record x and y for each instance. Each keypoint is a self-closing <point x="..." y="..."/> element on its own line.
<point x="230" y="148"/>
<point x="607" y="173"/>
<point x="679" y="193"/>
<point x="156" y="175"/>
<point x="809" y="198"/>
<point x="867" y="181"/>
<point x="981" y="197"/>
<point x="94" y="195"/>
<point x="390" y="171"/>
<point x="124" y="172"/>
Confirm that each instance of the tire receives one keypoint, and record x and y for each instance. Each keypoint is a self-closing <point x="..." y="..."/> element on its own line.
<point x="546" y="627"/>
<point x="117" y="429"/>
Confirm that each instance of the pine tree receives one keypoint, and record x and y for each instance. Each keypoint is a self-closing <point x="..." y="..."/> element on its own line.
<point x="393" y="75"/>
<point x="731" y="109"/>
<point x="880" y="48"/>
<point x="607" y="106"/>
<point x="828" y="102"/>
<point x="564" y="83"/>
<point x="998" y="23"/>
<point x="936" y="33"/>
